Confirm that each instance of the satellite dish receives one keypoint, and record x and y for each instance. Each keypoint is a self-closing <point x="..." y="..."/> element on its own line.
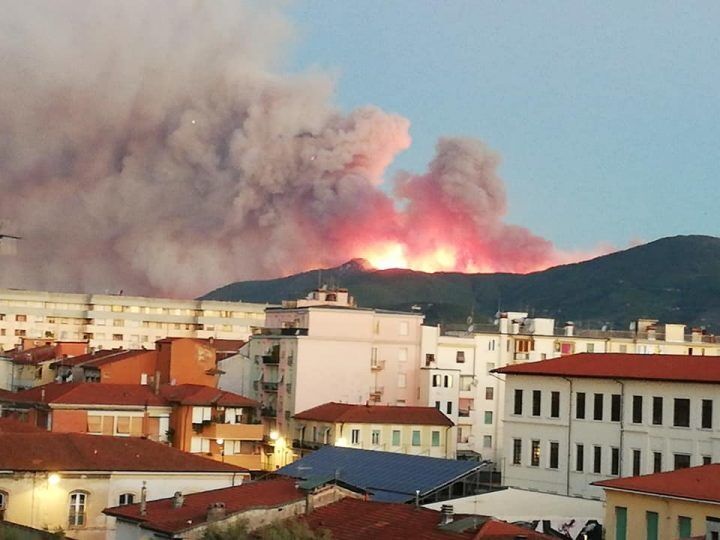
<point x="469" y="320"/>
<point x="471" y="328"/>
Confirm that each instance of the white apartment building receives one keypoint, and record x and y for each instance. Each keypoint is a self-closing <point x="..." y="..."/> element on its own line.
<point x="583" y="418"/>
<point x="456" y="366"/>
<point x="112" y="321"/>
<point x="322" y="349"/>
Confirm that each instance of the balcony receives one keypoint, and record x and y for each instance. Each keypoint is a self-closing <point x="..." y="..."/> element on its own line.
<point x="376" y="393"/>
<point x="270" y="386"/>
<point x="244" y="432"/>
<point x="271" y="359"/>
<point x="268" y="412"/>
<point x="464" y="413"/>
<point x="262" y="331"/>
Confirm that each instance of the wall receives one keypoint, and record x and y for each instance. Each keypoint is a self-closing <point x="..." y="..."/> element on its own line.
<point x="668" y="511"/>
<point x="129" y="370"/>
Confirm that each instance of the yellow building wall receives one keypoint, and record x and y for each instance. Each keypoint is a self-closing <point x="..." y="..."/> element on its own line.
<point x="668" y="510"/>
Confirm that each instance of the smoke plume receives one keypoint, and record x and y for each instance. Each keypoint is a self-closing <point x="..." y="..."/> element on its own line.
<point x="157" y="147"/>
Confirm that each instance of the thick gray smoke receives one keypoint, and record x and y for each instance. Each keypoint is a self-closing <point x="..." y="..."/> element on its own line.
<point x="156" y="147"/>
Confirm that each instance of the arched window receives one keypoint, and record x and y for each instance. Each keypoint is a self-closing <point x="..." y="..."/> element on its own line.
<point x="77" y="512"/>
<point x="126" y="498"/>
<point x="3" y="504"/>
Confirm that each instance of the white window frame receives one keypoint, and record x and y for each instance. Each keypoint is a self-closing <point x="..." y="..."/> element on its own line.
<point x="77" y="509"/>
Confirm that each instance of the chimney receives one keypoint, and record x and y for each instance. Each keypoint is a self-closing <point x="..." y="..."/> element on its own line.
<point x="178" y="500"/>
<point x="215" y="511"/>
<point x="446" y="512"/>
<point x="143" y="500"/>
<point x="569" y="328"/>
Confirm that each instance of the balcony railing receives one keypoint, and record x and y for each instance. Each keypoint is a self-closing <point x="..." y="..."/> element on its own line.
<point x="271" y="359"/>
<point x="270" y="386"/>
<point x="268" y="412"/>
<point x="464" y="413"/>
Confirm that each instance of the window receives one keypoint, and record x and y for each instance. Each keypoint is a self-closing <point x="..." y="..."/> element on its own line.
<point x="554" y="454"/>
<point x="435" y="441"/>
<point x="123" y="425"/>
<point x="682" y="461"/>
<point x="78" y="504"/>
<point x="681" y="416"/>
<point x="580" y="405"/>
<point x="657" y="412"/>
<point x="536" y="402"/>
<point x="488" y="417"/>
<point x="535" y="453"/>
<point x="651" y="525"/>
<point x="517" y="409"/>
<point x="21" y="318"/>
<point x="579" y="457"/>
<point x="590" y="347"/>
<point x="438" y="404"/>
<point x="487" y="441"/>
<point x="429" y="359"/>
<point x="375" y="437"/>
<point x="396" y="437"/>
<point x="402" y="380"/>
<point x="598" y="411"/>
<point x="597" y="459"/>
<point x="355" y="436"/>
<point x="517" y="451"/>
<point x="706" y="460"/>
<point x="404" y="328"/>
<point x="436" y="380"/>
<point x="637" y="410"/>
<point x="460" y="357"/>
<point x="489" y="392"/>
<point x="555" y="404"/>
<point x="3" y="503"/>
<point x="614" y="461"/>
<point x="19" y="332"/>
<point x="636" y="462"/>
<point x="117" y="337"/>
<point x="684" y="527"/>
<point x="466" y="382"/>
<point x="615" y="402"/>
<point x="416" y="437"/>
<point x="707" y="409"/>
<point x="490" y="366"/>
<point x="447" y="381"/>
<point x="126" y="498"/>
<point x="657" y="462"/>
<point x="449" y="407"/>
<point x="94" y="424"/>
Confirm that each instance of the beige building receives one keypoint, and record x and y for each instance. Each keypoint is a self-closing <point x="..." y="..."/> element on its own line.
<point x="406" y="430"/>
<point x="65" y="480"/>
<point x="322" y="349"/>
<point x="112" y="321"/>
<point x="679" y="504"/>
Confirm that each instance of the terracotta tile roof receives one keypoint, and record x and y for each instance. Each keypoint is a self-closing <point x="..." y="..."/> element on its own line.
<point x="698" y="483"/>
<point x="161" y="516"/>
<point x="375" y="414"/>
<point x="658" y="367"/>
<point x="93" y="356"/>
<point x="494" y="529"/>
<point x="120" y="355"/>
<point x="91" y="394"/>
<point x="35" y="355"/>
<point x="197" y="394"/>
<point x="11" y="425"/>
<point x="350" y="519"/>
<point x="47" y="451"/>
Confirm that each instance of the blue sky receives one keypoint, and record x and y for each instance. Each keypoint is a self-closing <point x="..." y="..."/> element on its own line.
<point x="606" y="114"/>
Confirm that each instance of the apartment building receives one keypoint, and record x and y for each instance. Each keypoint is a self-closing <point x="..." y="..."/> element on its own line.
<point x="579" y="419"/>
<point x="324" y="348"/>
<point x="677" y="504"/>
<point x="31" y="365"/>
<point x="403" y="429"/>
<point x="456" y="369"/>
<point x="112" y="321"/>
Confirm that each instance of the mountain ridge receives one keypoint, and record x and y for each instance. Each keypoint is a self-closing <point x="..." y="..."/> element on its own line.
<point x="673" y="279"/>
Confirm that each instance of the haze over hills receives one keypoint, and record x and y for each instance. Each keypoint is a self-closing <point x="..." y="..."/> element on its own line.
<point x="674" y="279"/>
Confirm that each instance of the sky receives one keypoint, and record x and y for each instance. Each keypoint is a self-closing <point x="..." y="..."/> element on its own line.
<point x="606" y="114"/>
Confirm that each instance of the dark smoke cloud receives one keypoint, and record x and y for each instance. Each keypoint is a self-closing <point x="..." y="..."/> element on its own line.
<point x="156" y="147"/>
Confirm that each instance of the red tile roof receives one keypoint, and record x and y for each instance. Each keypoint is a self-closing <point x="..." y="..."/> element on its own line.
<point x="375" y="414"/>
<point x="494" y="529"/>
<point x="91" y="394"/>
<point x="47" y="451"/>
<point x="161" y="516"/>
<point x="197" y="394"/>
<point x="93" y="356"/>
<point x="350" y="519"/>
<point x="11" y="425"/>
<point x="698" y="483"/>
<point x="658" y="367"/>
<point x="35" y="355"/>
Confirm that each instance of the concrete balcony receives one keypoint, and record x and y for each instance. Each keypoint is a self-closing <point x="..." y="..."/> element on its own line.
<point x="270" y="386"/>
<point x="244" y="432"/>
<point x="254" y="462"/>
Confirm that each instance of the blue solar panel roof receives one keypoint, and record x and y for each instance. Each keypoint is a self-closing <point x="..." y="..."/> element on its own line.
<point x="389" y="476"/>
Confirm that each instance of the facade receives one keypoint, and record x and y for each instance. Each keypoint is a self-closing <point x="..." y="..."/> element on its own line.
<point x="65" y="480"/>
<point x="364" y="355"/>
<point x="406" y="430"/>
<point x="578" y="419"/>
<point x="113" y="321"/>
<point x="256" y="503"/>
<point x="456" y="366"/>
<point x="678" y="504"/>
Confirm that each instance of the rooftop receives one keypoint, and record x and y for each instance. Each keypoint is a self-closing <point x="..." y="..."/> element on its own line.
<point x="58" y="452"/>
<point x="163" y="517"/>
<point x="101" y="357"/>
<point x="10" y="425"/>
<point x="197" y="394"/>
<point x="88" y="394"/>
<point x="375" y="414"/>
<point x="697" y="483"/>
<point x="388" y="475"/>
<point x="658" y="367"/>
